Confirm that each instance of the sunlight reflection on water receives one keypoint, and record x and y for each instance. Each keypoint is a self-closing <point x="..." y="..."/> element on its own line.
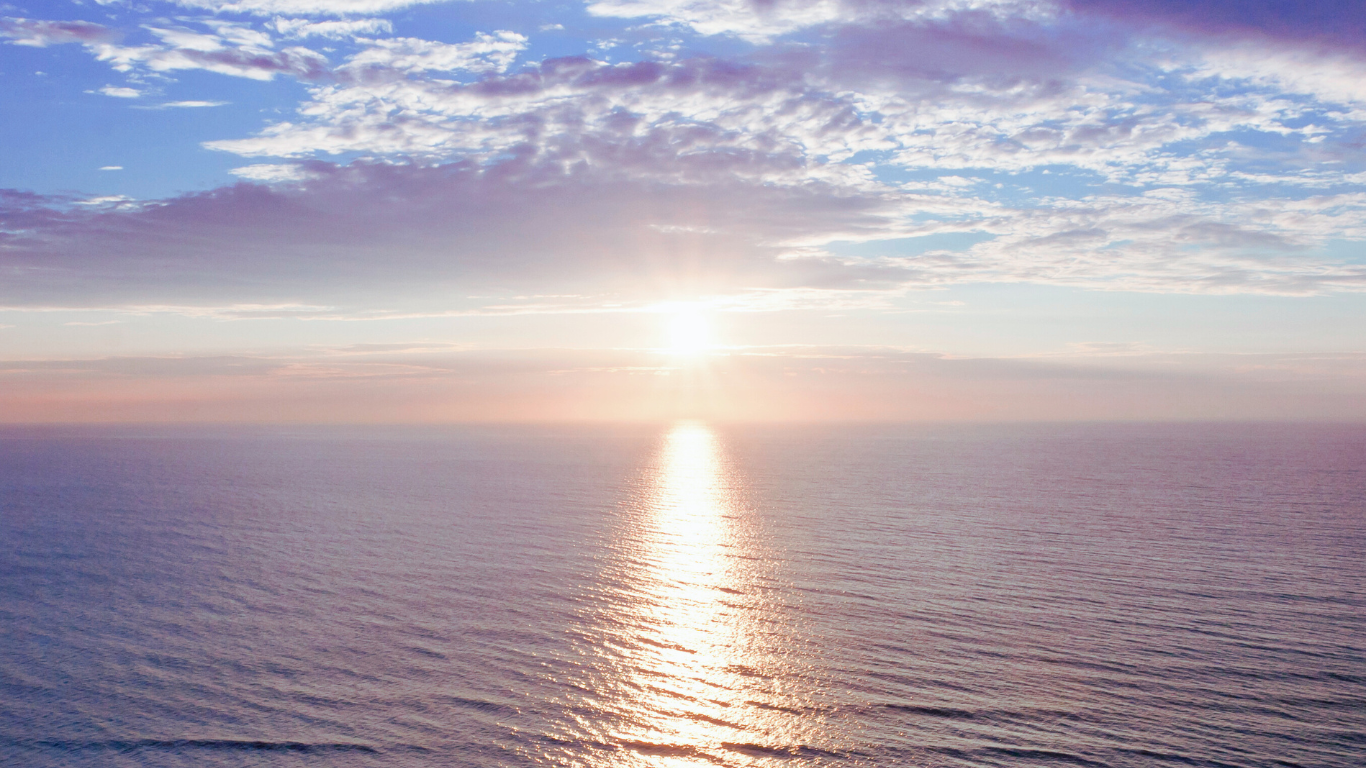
<point x="696" y="678"/>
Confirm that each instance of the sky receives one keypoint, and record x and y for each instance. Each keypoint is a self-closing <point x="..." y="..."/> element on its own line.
<point x="624" y="210"/>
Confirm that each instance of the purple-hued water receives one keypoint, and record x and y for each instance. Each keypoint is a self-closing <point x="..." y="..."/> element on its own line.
<point x="1064" y="595"/>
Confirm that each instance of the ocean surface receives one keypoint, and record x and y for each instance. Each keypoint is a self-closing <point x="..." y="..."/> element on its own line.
<point x="686" y="595"/>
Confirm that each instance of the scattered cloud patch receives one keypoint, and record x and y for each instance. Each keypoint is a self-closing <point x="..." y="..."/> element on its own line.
<point x="120" y="92"/>
<point x="486" y="53"/>
<point x="756" y="22"/>
<point x="230" y="49"/>
<point x="333" y="30"/>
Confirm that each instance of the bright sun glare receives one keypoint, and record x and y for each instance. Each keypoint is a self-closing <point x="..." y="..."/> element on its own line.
<point x="688" y="333"/>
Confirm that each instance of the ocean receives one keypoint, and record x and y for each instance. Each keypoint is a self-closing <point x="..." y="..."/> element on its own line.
<point x="684" y="595"/>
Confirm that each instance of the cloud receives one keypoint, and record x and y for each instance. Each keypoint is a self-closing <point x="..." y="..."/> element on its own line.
<point x="639" y="226"/>
<point x="120" y="93"/>
<point x="736" y="176"/>
<point x="378" y="231"/>
<point x="40" y="34"/>
<point x="755" y="21"/>
<point x="762" y="21"/>
<point x="1153" y="243"/>
<point x="304" y="7"/>
<point x="270" y="173"/>
<point x="953" y="93"/>
<point x="1334" y="23"/>
<point x="241" y="50"/>
<point x="1331" y="22"/>
<point x="117" y="201"/>
<point x="424" y="383"/>
<point x="334" y="30"/>
<point x="705" y="121"/>
<point x="997" y="51"/>
<point x="230" y="50"/>
<point x="1326" y="75"/>
<point x="749" y="114"/>
<point x="191" y="104"/>
<point x="488" y="52"/>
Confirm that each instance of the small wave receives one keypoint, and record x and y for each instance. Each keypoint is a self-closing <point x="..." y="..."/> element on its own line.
<point x="741" y="669"/>
<point x="666" y="750"/>
<point x="698" y="717"/>
<point x="665" y="646"/>
<point x="1165" y="757"/>
<point x="944" y="712"/>
<point x="763" y="750"/>
<point x="1041" y="754"/>
<point x="479" y="704"/>
<point x="428" y="653"/>
<point x="775" y="707"/>
<point x="231" y="745"/>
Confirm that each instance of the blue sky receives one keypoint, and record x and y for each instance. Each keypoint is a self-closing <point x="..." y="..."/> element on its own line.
<point x="372" y="206"/>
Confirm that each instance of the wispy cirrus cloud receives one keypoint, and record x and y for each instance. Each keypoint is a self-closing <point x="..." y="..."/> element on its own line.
<point x="37" y="33"/>
<point x="303" y="7"/>
<point x="227" y="50"/>
<point x="1339" y="23"/>
<point x="191" y="104"/>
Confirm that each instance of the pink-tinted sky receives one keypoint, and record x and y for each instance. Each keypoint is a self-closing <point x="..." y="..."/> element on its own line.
<point x="392" y="210"/>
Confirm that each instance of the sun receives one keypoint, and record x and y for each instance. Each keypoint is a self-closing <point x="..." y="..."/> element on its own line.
<point x="689" y="333"/>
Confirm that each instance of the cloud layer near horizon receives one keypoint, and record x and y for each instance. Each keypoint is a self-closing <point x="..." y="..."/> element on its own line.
<point x="417" y="384"/>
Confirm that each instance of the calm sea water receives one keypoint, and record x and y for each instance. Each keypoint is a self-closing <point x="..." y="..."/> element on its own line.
<point x="688" y="595"/>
